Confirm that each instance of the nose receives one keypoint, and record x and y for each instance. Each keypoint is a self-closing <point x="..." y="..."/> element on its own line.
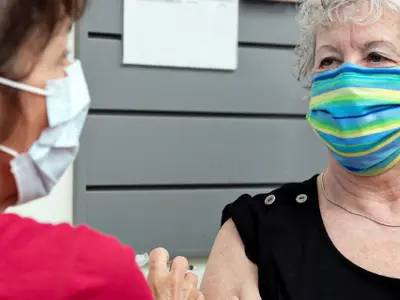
<point x="352" y="59"/>
<point x="67" y="62"/>
<point x="353" y="55"/>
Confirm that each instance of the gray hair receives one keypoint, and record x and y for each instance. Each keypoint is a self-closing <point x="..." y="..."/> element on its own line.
<point x="315" y="13"/>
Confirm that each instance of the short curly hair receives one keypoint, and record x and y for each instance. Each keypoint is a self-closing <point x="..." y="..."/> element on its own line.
<point x="314" y="13"/>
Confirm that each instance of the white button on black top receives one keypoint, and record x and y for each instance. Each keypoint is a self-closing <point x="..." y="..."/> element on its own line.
<point x="301" y="198"/>
<point x="269" y="199"/>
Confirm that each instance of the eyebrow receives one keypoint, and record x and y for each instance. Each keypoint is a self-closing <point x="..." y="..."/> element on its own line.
<point x="327" y="47"/>
<point x="364" y="46"/>
<point x="387" y="44"/>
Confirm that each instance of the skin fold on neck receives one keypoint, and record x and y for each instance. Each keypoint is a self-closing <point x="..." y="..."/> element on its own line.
<point x="376" y="196"/>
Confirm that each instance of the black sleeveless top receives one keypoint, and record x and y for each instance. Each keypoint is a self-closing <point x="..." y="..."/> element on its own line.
<point x="284" y="235"/>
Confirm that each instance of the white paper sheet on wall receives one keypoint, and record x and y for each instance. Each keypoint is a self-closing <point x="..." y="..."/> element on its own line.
<point x="181" y="33"/>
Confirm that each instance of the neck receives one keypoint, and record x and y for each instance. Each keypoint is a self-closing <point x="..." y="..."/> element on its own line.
<point x="377" y="196"/>
<point x="8" y="189"/>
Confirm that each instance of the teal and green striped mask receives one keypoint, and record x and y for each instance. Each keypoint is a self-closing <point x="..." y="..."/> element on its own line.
<point x="356" y="112"/>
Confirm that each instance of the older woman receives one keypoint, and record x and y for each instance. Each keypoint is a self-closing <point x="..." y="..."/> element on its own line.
<point x="337" y="234"/>
<point x="44" y="102"/>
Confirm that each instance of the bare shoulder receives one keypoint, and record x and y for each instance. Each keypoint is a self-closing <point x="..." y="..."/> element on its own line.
<point x="229" y="272"/>
<point x="236" y="255"/>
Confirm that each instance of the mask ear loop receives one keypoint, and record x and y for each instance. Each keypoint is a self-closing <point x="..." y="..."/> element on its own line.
<point x="24" y="87"/>
<point x="9" y="151"/>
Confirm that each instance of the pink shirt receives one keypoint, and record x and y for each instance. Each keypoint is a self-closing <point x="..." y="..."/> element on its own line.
<point x="47" y="262"/>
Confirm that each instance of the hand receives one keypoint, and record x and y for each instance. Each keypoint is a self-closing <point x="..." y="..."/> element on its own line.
<point x="173" y="284"/>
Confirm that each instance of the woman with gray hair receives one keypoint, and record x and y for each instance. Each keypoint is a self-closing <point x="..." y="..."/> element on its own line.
<point x="336" y="235"/>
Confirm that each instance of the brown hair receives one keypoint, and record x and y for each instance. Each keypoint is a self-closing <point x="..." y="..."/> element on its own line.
<point x="20" y="20"/>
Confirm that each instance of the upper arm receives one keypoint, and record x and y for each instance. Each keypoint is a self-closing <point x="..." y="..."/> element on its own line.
<point x="229" y="272"/>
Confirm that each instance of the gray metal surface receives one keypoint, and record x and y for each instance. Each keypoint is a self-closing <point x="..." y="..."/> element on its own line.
<point x="164" y="149"/>
<point x="181" y="221"/>
<point x="129" y="150"/>
<point x="263" y="83"/>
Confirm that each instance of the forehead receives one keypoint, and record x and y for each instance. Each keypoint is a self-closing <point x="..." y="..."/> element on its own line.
<point x="341" y="34"/>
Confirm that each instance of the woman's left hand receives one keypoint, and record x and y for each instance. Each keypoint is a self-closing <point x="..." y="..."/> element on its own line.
<point x="174" y="284"/>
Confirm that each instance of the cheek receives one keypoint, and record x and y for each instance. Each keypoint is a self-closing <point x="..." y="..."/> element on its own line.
<point x="21" y="65"/>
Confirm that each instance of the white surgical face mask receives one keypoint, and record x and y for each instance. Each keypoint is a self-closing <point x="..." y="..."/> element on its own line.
<point x="38" y="171"/>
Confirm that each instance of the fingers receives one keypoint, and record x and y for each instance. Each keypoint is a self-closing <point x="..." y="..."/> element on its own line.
<point x="192" y="279"/>
<point x="187" y="286"/>
<point x="177" y="283"/>
<point x="158" y="262"/>
<point x="179" y="267"/>
<point x="196" y="295"/>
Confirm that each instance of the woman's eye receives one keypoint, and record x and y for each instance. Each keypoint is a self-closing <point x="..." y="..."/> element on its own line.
<point x="328" y="62"/>
<point x="375" y="57"/>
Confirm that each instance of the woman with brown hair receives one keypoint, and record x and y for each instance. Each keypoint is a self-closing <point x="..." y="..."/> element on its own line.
<point x="44" y="101"/>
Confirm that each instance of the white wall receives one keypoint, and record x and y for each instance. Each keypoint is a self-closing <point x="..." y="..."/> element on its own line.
<point x="56" y="208"/>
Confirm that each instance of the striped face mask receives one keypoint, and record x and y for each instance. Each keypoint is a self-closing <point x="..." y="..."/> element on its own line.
<point x="356" y="112"/>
